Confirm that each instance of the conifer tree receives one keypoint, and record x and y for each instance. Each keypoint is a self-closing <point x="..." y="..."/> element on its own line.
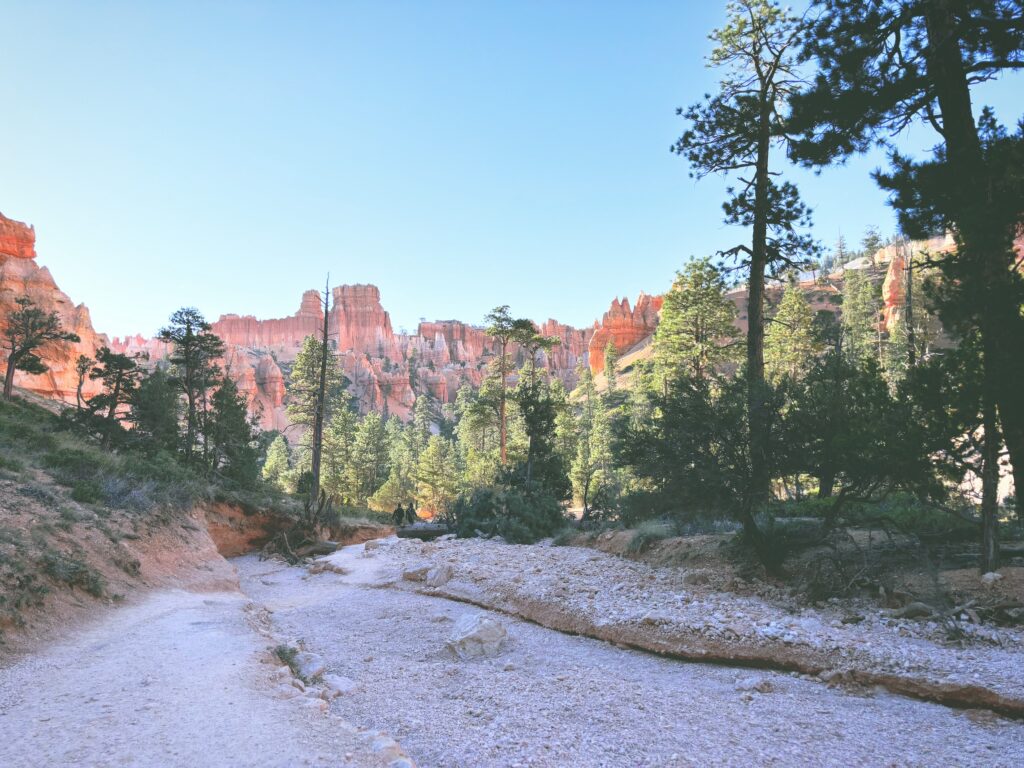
<point x="30" y="332"/>
<point x="120" y="375"/>
<point x="790" y="345"/>
<point x="735" y="131"/>
<point x="696" y="332"/>
<point x="275" y="468"/>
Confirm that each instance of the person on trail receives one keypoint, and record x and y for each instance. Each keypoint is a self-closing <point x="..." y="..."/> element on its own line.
<point x="410" y="514"/>
<point x="398" y="515"/>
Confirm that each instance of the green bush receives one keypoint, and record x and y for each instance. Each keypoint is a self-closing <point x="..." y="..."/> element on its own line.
<point x="73" y="572"/>
<point x="518" y="515"/>
<point x="70" y="466"/>
<point x="646" y="534"/>
<point x="86" y="492"/>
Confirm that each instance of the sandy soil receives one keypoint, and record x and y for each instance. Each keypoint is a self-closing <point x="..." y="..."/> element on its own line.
<point x="552" y="699"/>
<point x="175" y="680"/>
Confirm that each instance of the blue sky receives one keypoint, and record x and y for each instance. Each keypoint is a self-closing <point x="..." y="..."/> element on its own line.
<point x="460" y="155"/>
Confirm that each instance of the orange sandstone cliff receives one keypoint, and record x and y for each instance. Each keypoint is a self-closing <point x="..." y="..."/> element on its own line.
<point x="21" y="276"/>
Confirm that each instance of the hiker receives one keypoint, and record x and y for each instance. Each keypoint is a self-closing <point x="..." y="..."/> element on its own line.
<point x="410" y="514"/>
<point x="398" y="515"/>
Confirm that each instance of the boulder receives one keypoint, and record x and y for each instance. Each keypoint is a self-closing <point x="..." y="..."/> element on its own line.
<point x="418" y="573"/>
<point x="337" y="685"/>
<point x="915" y="610"/>
<point x="309" y="665"/>
<point x="476" y="635"/>
<point x="439" y="575"/>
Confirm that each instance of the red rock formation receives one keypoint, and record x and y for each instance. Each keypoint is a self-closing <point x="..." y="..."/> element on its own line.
<point x="17" y="239"/>
<point x="21" y="276"/>
<point x="624" y="326"/>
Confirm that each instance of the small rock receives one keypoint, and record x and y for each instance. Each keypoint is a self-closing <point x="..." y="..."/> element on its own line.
<point x="915" y="610"/>
<point x="476" y="635"/>
<point x="759" y="684"/>
<point x="309" y="665"/>
<point x="296" y="683"/>
<point x="419" y="573"/>
<point x="315" y="703"/>
<point x="991" y="578"/>
<point x="854" y="618"/>
<point x="371" y="545"/>
<point x="439" y="575"/>
<point x="696" y="578"/>
<point x="286" y="691"/>
<point x="337" y="685"/>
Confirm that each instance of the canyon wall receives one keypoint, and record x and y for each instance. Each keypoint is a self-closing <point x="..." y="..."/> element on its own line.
<point x="623" y="326"/>
<point x="21" y="276"/>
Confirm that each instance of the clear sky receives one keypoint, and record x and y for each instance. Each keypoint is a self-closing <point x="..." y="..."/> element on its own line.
<point x="459" y="155"/>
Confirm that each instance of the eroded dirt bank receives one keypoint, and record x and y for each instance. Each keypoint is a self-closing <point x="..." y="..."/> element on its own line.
<point x="552" y="699"/>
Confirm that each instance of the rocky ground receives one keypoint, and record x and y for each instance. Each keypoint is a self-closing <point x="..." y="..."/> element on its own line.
<point x="180" y="679"/>
<point x="674" y="611"/>
<point x="383" y="616"/>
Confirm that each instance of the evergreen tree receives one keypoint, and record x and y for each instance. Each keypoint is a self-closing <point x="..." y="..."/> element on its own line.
<point x="120" y="375"/>
<point x="505" y="330"/>
<point x="611" y="366"/>
<point x="277" y="463"/>
<point x="156" y="412"/>
<point x="697" y="329"/>
<point x="234" y="451"/>
<point x="30" y="332"/>
<point x="790" y="345"/>
<point x="303" y="385"/>
<point x="194" y="370"/>
<point x="369" y="466"/>
<point x="436" y="478"/>
<point x="339" y="452"/>
<point x="860" y="316"/>
<point x="83" y="364"/>
<point x="891" y="63"/>
<point x="735" y="131"/>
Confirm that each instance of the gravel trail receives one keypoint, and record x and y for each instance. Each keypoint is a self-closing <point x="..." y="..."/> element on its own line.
<point x="550" y="699"/>
<point x="173" y="681"/>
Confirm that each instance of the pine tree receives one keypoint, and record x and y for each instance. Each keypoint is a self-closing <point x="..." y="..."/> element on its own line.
<point x="735" y="131"/>
<point x="120" y="375"/>
<point x="277" y="463"/>
<point x="304" y="382"/>
<point x="860" y="316"/>
<point x="156" y="412"/>
<point x="233" y="435"/>
<point x="611" y="366"/>
<point x="194" y="370"/>
<point x="790" y="344"/>
<point x="339" y="449"/>
<point x="31" y="331"/>
<point x="505" y="330"/>
<point x="892" y="63"/>
<point x="436" y="478"/>
<point x="83" y="364"/>
<point x="696" y="332"/>
<point x="369" y="466"/>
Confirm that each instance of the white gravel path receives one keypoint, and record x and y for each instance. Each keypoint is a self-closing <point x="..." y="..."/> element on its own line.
<point x="174" y="681"/>
<point x="551" y="699"/>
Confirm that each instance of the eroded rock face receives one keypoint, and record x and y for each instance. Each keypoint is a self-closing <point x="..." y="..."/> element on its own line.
<point x="624" y="326"/>
<point x="21" y="276"/>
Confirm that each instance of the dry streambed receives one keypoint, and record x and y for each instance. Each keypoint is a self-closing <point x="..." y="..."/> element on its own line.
<point x="668" y="611"/>
<point x="547" y="698"/>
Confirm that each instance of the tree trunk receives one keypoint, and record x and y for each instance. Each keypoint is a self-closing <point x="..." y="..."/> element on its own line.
<point x="826" y="483"/>
<point x="111" y="413"/>
<point x="321" y="397"/>
<point x="986" y="244"/>
<point x="989" y="488"/>
<point x="501" y="404"/>
<point x="9" y="378"/>
<point x="757" y="495"/>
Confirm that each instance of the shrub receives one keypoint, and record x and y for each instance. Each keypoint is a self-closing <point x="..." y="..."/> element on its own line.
<point x="86" y="492"/>
<point x="646" y="534"/>
<point x="518" y="515"/>
<point x="73" y="572"/>
<point x="69" y="466"/>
